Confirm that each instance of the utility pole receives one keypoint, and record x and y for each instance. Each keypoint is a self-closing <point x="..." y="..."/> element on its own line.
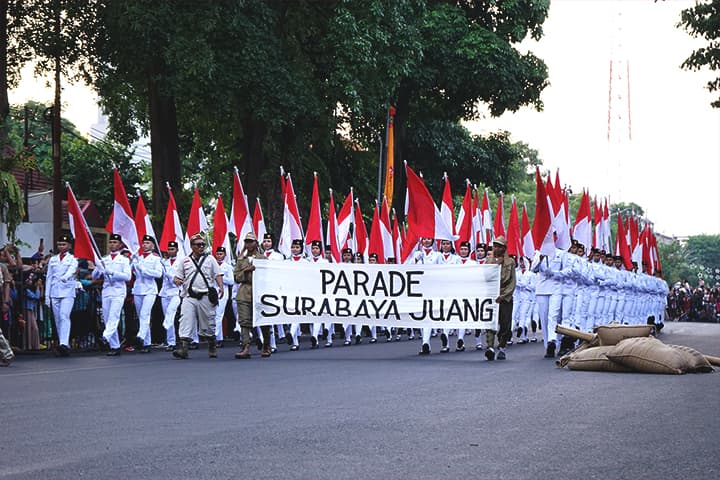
<point x="26" y="151"/>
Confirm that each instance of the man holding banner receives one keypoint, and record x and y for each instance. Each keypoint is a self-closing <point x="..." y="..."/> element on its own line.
<point x="244" y="276"/>
<point x="504" y="300"/>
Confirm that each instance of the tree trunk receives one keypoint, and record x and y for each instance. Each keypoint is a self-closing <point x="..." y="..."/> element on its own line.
<point x="401" y="118"/>
<point x="163" y="147"/>
<point x="4" y="104"/>
<point x="253" y="159"/>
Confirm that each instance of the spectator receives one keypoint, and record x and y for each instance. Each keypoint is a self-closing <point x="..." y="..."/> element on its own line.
<point x="33" y="293"/>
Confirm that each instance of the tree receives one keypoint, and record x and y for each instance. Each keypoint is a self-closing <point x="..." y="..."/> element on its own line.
<point x="703" y="20"/>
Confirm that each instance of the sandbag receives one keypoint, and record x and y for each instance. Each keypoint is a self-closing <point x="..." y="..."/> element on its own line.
<point x="612" y="334"/>
<point x="695" y="361"/>
<point x="592" y="359"/>
<point x="649" y="355"/>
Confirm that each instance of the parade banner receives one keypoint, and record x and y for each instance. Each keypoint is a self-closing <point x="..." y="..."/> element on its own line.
<point x="415" y="296"/>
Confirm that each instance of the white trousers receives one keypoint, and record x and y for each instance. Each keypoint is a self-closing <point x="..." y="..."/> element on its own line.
<point x="170" y="306"/>
<point x="143" y="307"/>
<point x="111" y="310"/>
<point x="219" y="315"/>
<point x="61" y="308"/>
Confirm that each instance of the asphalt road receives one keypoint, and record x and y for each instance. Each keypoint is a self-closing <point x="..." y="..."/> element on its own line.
<point x="375" y="411"/>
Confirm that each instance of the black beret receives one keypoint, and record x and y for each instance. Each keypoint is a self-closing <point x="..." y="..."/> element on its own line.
<point x="297" y="242"/>
<point x="115" y="236"/>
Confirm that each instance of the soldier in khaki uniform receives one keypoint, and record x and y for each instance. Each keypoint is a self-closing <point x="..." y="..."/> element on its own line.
<point x="505" y="299"/>
<point x="197" y="313"/>
<point x="243" y="274"/>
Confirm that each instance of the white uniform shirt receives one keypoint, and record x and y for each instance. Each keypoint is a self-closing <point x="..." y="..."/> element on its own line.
<point x="147" y="268"/>
<point x="169" y="289"/>
<point x="115" y="270"/>
<point x="60" y="277"/>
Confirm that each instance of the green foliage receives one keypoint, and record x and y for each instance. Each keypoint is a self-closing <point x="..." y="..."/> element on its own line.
<point x="698" y="258"/>
<point x="703" y="21"/>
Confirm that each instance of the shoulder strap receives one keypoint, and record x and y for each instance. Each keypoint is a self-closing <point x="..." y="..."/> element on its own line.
<point x="197" y="270"/>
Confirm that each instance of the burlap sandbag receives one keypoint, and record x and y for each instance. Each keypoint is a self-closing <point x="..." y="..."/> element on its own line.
<point x="592" y="359"/>
<point x="695" y="361"/>
<point x="648" y="355"/>
<point x="612" y="334"/>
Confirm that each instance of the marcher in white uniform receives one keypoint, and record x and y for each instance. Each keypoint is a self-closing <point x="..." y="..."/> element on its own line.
<point x="427" y="255"/>
<point x="169" y="295"/>
<point x="147" y="267"/>
<point x="271" y="254"/>
<point x="115" y="272"/>
<point x="296" y="255"/>
<point x="228" y="280"/>
<point x="480" y="258"/>
<point x="316" y="257"/>
<point x="548" y="296"/>
<point x="463" y="259"/>
<point x="447" y="257"/>
<point x="61" y="284"/>
<point x="347" y="257"/>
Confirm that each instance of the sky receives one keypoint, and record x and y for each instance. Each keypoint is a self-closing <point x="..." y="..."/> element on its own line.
<point x="670" y="167"/>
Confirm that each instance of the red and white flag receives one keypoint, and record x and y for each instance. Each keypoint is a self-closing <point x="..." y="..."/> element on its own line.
<point x="597" y="221"/>
<point x="447" y="210"/>
<point x="559" y="219"/>
<point x="528" y="246"/>
<point x="220" y="227"/>
<point x="424" y="218"/>
<point x="499" y="226"/>
<point x="386" y="229"/>
<point x="259" y="221"/>
<point x="397" y="239"/>
<point x="360" y="233"/>
<point x="83" y="246"/>
<point x="376" y="245"/>
<point x="240" y="221"/>
<point x="345" y="218"/>
<point x="197" y="222"/>
<point x="582" y="231"/>
<point x="487" y="222"/>
<point x="291" y="229"/>
<point x="332" y="231"/>
<point x="172" y="231"/>
<point x="606" y="240"/>
<point x="621" y="245"/>
<point x="514" y="240"/>
<point x="142" y="221"/>
<point x="314" y="231"/>
<point x="121" y="219"/>
<point x="478" y="234"/>
<point x="463" y="225"/>
<point x="542" y="224"/>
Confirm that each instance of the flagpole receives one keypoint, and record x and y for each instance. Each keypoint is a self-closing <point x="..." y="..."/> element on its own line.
<point x="380" y="166"/>
<point x="85" y="225"/>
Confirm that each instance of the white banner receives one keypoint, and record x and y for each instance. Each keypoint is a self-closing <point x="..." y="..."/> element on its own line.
<point x="415" y="296"/>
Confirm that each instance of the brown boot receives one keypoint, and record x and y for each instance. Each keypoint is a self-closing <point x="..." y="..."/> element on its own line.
<point x="266" y="352"/>
<point x="181" y="350"/>
<point x="212" y="347"/>
<point x="245" y="353"/>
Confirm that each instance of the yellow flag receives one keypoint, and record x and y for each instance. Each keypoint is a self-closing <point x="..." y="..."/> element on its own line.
<point x="390" y="164"/>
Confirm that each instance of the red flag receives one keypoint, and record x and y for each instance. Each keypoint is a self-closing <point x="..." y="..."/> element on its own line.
<point x="542" y="224"/>
<point x="240" y="221"/>
<point x="172" y="231"/>
<point x="121" y="219"/>
<point x="83" y="246"/>
<point x="220" y="227"/>
<point x="332" y="231"/>
<point x="142" y="221"/>
<point x="514" y="244"/>
<point x="259" y="221"/>
<point x="197" y="223"/>
<point x="499" y="227"/>
<point x="314" y="227"/>
<point x="423" y="216"/>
